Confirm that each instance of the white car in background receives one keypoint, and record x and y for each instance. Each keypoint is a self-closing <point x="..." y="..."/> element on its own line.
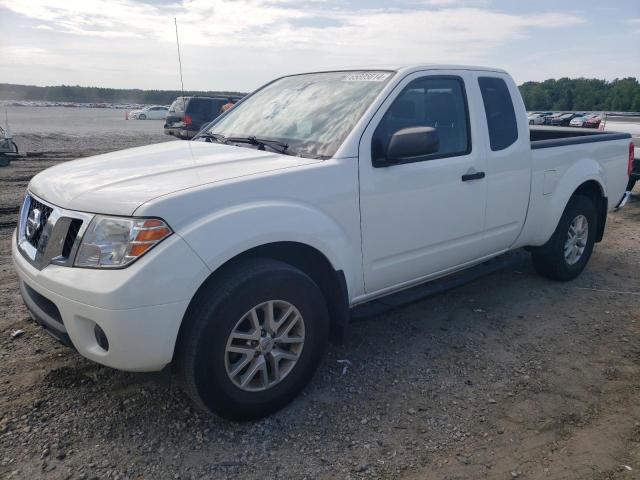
<point x="536" y="119"/>
<point x="153" y="112"/>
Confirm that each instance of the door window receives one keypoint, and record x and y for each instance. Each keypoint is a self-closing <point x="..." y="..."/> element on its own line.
<point x="501" y="117"/>
<point x="438" y="102"/>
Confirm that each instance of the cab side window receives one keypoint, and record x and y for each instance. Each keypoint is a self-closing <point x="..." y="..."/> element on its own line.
<point x="438" y="102"/>
<point x="498" y="108"/>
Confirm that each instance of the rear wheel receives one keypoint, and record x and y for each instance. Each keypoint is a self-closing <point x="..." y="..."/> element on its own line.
<point x="566" y="254"/>
<point x="253" y="339"/>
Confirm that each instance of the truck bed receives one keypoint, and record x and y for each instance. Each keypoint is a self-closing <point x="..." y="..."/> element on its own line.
<point x="547" y="137"/>
<point x="570" y="156"/>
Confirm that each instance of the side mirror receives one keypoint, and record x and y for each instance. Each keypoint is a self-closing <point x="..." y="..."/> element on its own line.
<point x="412" y="142"/>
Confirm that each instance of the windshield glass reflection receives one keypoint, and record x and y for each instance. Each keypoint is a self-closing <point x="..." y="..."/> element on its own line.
<point x="311" y="113"/>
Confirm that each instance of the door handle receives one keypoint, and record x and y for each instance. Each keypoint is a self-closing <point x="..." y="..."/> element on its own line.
<point x="472" y="176"/>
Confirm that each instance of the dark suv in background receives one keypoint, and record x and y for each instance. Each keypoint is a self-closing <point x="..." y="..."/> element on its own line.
<point x="187" y="115"/>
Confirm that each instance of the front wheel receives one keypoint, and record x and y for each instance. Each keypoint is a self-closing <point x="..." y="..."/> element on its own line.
<point x="253" y="339"/>
<point x="142" y="117"/>
<point x="567" y="252"/>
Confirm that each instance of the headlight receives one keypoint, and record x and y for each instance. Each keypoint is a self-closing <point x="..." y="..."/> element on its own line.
<point x="113" y="242"/>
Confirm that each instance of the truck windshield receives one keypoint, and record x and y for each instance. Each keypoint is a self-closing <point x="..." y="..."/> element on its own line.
<point x="311" y="113"/>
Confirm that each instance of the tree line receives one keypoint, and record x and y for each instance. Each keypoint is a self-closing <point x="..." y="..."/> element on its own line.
<point x="77" y="94"/>
<point x="620" y="95"/>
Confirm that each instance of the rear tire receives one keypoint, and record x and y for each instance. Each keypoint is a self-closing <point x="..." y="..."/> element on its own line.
<point x="228" y="328"/>
<point x="567" y="252"/>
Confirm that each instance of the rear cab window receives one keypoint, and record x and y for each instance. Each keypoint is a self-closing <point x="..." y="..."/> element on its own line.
<point x="498" y="108"/>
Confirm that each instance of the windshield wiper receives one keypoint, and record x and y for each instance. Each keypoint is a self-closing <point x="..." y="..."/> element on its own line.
<point x="217" y="137"/>
<point x="261" y="143"/>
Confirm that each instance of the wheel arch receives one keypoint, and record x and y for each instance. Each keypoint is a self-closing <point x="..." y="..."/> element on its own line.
<point x="306" y="258"/>
<point x="595" y="191"/>
<point x="584" y="177"/>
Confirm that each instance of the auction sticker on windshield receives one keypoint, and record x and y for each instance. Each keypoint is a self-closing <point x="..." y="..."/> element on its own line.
<point x="366" y="77"/>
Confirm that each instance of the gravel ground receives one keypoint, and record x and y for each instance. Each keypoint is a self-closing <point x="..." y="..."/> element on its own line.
<point x="510" y="376"/>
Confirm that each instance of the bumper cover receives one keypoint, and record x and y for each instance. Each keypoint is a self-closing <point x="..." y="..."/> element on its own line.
<point x="142" y="336"/>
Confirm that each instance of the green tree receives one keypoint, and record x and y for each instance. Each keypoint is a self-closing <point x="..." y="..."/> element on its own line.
<point x="582" y="94"/>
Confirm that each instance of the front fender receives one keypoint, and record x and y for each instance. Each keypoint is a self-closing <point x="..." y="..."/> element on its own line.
<point x="226" y="233"/>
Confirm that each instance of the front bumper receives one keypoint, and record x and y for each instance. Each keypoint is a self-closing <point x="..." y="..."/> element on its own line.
<point x="138" y="308"/>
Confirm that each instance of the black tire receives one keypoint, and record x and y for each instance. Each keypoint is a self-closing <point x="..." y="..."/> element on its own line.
<point x="142" y="117"/>
<point x="549" y="260"/>
<point x="219" y="305"/>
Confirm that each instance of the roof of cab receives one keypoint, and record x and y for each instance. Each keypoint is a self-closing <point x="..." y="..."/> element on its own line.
<point x="415" y="67"/>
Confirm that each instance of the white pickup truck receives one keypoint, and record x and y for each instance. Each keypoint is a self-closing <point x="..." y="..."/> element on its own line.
<point x="231" y="258"/>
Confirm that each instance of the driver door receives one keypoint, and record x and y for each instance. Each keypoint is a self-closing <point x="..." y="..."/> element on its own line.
<point x="425" y="215"/>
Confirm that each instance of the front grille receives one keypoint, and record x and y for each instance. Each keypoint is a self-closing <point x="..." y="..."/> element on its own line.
<point x="57" y="236"/>
<point x="45" y="212"/>
<point x="72" y="234"/>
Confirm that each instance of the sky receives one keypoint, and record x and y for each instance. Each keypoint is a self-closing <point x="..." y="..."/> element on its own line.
<point x="241" y="44"/>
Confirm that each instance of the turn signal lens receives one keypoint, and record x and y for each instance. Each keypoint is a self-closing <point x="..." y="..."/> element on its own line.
<point x="115" y="242"/>
<point x="630" y="164"/>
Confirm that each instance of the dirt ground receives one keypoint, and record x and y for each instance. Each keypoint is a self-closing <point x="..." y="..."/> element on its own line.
<point x="510" y="376"/>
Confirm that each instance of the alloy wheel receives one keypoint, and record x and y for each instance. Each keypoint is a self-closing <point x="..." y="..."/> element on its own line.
<point x="576" y="239"/>
<point x="264" y="345"/>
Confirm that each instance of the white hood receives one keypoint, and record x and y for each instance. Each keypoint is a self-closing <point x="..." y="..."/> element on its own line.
<point x="119" y="182"/>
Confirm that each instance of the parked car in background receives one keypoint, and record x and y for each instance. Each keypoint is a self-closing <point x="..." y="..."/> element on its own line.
<point x="564" y="119"/>
<point x="236" y="256"/>
<point x="548" y="119"/>
<point x="578" y="121"/>
<point x="536" y="119"/>
<point x="153" y="112"/>
<point x="546" y="115"/>
<point x="583" y="121"/>
<point x="593" y="121"/>
<point x="187" y="115"/>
